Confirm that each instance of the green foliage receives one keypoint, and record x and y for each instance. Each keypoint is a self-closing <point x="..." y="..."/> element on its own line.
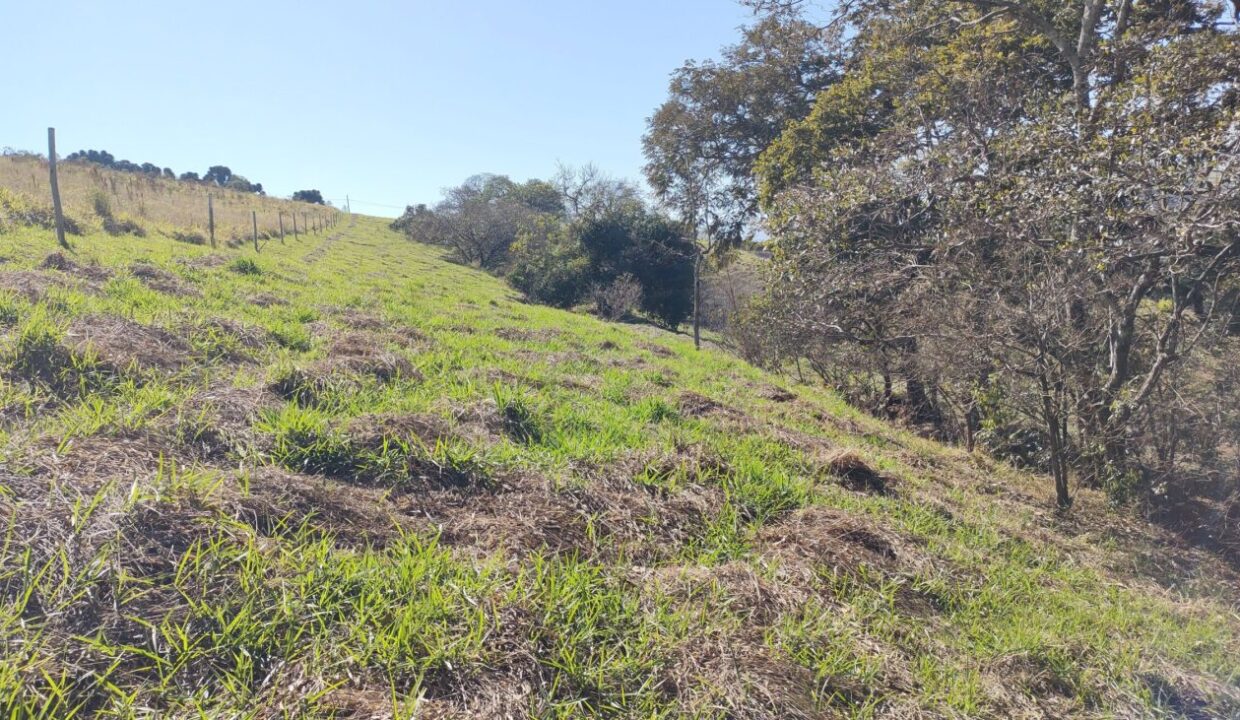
<point x="309" y="196"/>
<point x="549" y="265"/>
<point x="245" y="266"/>
<point x="652" y="249"/>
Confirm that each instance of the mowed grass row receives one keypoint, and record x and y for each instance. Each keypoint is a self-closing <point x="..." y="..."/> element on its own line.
<point x="344" y="478"/>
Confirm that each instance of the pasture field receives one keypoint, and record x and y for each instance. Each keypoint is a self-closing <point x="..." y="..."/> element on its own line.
<point x="93" y="195"/>
<point x="342" y="477"/>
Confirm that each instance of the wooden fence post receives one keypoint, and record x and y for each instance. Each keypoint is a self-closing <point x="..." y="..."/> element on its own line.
<point x="254" y="218"/>
<point x="281" y="227"/>
<point x="51" y="165"/>
<point x="211" y="218"/>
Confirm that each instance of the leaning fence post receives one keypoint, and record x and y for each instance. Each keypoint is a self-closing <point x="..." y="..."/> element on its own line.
<point x="281" y="214"/>
<point x="51" y="165"/>
<point x="254" y="218"/>
<point x="211" y="218"/>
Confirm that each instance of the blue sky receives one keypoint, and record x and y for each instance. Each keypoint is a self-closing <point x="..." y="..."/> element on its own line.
<point x="387" y="102"/>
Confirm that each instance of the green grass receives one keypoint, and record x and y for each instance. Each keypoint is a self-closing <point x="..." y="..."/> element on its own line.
<point x="342" y="477"/>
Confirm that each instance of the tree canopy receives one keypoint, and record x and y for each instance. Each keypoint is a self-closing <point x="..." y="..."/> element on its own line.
<point x="1023" y="209"/>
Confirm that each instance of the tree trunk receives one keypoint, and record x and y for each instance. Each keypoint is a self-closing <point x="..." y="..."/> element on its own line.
<point x="697" y="302"/>
<point x="1059" y="465"/>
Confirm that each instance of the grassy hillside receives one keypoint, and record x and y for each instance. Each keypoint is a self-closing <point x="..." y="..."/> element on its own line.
<point x="151" y="205"/>
<point x="344" y="478"/>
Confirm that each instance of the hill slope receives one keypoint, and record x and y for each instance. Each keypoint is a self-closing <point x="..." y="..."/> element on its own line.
<point x="98" y="199"/>
<point x="342" y="477"/>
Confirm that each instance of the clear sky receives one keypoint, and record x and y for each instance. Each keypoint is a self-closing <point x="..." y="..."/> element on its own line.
<point x="385" y="101"/>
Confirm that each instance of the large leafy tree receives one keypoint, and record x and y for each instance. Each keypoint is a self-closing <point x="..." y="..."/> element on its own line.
<point x="702" y="143"/>
<point x="1023" y="202"/>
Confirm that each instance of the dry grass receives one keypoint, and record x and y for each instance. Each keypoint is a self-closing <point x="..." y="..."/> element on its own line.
<point x="157" y="204"/>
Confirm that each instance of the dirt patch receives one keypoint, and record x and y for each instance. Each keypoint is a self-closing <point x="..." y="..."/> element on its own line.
<point x="692" y="462"/>
<point x="692" y="404"/>
<point x="88" y="462"/>
<point x="492" y="375"/>
<point x="360" y="320"/>
<point x="92" y="274"/>
<point x="853" y="472"/>
<point x="733" y="587"/>
<point x="161" y="280"/>
<point x="738" y="677"/>
<point x="513" y="334"/>
<point x="775" y="393"/>
<point x="350" y="357"/>
<point x="656" y="350"/>
<point x="157" y="535"/>
<point x="644" y="527"/>
<point x="367" y="354"/>
<point x="120" y="345"/>
<point x="33" y="286"/>
<point x="526" y="516"/>
<point x="229" y="340"/>
<point x="483" y="423"/>
<point x="206" y="262"/>
<point x="266" y="299"/>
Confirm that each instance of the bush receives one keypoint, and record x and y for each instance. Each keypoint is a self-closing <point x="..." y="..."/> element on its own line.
<point x="103" y="206"/>
<point x="549" y="266"/>
<point x="245" y="266"/>
<point x="619" y="298"/>
<point x="650" y="248"/>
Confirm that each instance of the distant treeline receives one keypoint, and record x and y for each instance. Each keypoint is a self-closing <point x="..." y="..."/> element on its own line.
<point x="220" y="175"/>
<point x="582" y="237"/>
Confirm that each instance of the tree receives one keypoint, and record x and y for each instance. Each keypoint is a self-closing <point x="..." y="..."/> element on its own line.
<point x="651" y="248"/>
<point x="549" y="264"/>
<point x="1026" y="209"/>
<point x="557" y="241"/>
<point x="702" y="143"/>
<point x="723" y="113"/>
<point x="242" y="184"/>
<point x="309" y="196"/>
<point x="189" y="177"/>
<point x="588" y="192"/>
<point x="218" y="174"/>
<point x="479" y="219"/>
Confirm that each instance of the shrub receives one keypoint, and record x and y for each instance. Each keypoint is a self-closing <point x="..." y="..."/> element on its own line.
<point x="617" y="299"/>
<point x="10" y="308"/>
<point x="103" y="206"/>
<point x="652" y="249"/>
<point x="245" y="266"/>
<point x="549" y="266"/>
